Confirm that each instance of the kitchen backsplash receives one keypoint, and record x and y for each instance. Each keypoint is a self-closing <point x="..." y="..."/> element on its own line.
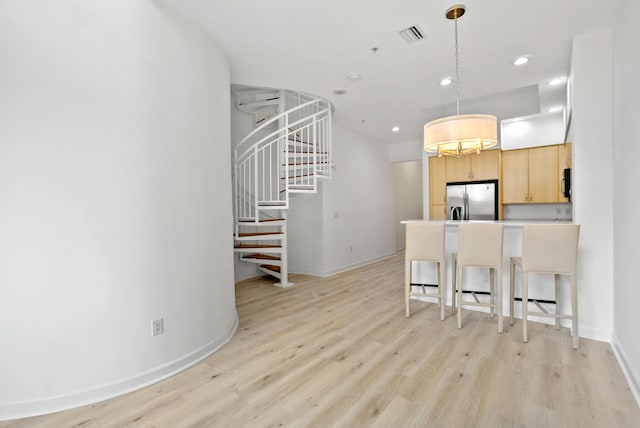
<point x="546" y="212"/>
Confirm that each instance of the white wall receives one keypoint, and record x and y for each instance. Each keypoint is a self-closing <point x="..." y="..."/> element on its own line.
<point x="536" y="130"/>
<point x="592" y="187"/>
<point x="406" y="151"/>
<point x="358" y="203"/>
<point x="626" y="205"/>
<point x="305" y="225"/>
<point x="114" y="200"/>
<point x="407" y="189"/>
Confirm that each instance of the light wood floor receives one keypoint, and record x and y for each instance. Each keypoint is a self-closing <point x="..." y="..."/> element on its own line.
<point x="338" y="351"/>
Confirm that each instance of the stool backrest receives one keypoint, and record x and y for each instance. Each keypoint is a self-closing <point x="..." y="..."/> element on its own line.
<point x="550" y="248"/>
<point x="425" y="240"/>
<point x="480" y="244"/>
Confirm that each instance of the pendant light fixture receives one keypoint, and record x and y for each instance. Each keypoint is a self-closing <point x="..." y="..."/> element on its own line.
<point x="460" y="135"/>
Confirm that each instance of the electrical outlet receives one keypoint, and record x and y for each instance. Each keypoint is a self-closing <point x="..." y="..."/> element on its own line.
<point x="157" y="327"/>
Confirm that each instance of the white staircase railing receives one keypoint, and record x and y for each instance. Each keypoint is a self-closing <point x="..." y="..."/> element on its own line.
<point x="271" y="164"/>
<point x="289" y="159"/>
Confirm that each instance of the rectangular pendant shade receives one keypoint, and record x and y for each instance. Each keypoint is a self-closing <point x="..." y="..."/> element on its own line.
<point x="461" y="135"/>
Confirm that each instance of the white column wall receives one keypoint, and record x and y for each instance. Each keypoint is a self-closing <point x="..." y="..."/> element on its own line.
<point x="626" y="204"/>
<point x="305" y="225"/>
<point x="592" y="186"/>
<point x="115" y="200"/>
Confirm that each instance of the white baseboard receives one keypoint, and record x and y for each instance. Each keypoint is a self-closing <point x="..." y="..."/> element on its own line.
<point x="633" y="379"/>
<point x="334" y="271"/>
<point x="357" y="264"/>
<point x="18" y="410"/>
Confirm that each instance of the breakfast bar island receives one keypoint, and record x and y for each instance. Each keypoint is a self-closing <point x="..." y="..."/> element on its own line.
<point x="425" y="273"/>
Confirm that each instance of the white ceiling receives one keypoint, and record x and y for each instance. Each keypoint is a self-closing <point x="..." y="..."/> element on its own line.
<point x="312" y="45"/>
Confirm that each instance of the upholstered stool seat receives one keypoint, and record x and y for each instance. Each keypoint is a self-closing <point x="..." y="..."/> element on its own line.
<point x="424" y="243"/>
<point x="479" y="246"/>
<point x="547" y="249"/>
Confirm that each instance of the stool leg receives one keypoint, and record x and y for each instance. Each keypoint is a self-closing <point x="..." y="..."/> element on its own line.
<point x="557" y="280"/>
<point x="500" y="316"/>
<point x="512" y="275"/>
<point x="459" y="287"/>
<point x="442" y="289"/>
<point x="525" y="304"/>
<point x="574" y="309"/>
<point x="407" y="285"/>
<point x="454" y="268"/>
<point x="492" y="280"/>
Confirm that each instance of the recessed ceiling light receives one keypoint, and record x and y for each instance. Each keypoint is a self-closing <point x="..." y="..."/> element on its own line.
<point x="521" y="60"/>
<point x="555" y="109"/>
<point x="340" y="91"/>
<point x="555" y="82"/>
<point x="446" y="81"/>
<point x="395" y="128"/>
<point x="354" y="76"/>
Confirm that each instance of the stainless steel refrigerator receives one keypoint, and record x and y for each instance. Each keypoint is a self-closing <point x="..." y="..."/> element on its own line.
<point x="472" y="201"/>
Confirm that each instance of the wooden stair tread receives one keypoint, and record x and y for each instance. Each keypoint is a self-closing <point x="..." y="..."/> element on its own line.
<point x="271" y="267"/>
<point x="258" y="234"/>
<point x="262" y="257"/>
<point x="256" y="246"/>
<point x="297" y="176"/>
<point x="307" y="163"/>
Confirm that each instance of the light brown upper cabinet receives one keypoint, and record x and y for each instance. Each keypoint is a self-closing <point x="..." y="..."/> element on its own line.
<point x="475" y="167"/>
<point x="515" y="176"/>
<point x="543" y="178"/>
<point x="437" y="188"/>
<point x="564" y="161"/>
<point x="530" y="175"/>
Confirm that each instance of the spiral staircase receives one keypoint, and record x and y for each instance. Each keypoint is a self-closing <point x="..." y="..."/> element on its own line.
<point x="288" y="152"/>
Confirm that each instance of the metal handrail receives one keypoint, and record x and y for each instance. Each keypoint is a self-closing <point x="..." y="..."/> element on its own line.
<point x="276" y="119"/>
<point x="293" y="156"/>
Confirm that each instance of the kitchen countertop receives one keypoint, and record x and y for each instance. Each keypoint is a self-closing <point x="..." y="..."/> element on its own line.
<point x="506" y="223"/>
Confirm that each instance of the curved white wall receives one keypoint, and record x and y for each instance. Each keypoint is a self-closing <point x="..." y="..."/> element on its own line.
<point x="626" y="175"/>
<point x="115" y="204"/>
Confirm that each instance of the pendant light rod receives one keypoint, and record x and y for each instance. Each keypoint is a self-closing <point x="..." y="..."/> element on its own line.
<point x="455" y="12"/>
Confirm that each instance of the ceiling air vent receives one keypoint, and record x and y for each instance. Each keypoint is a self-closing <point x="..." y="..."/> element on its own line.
<point x="411" y="34"/>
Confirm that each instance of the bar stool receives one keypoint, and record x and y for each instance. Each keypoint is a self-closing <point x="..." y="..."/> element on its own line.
<point x="549" y="249"/>
<point x="424" y="243"/>
<point x="479" y="245"/>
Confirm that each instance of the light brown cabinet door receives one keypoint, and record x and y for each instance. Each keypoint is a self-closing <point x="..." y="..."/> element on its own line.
<point x="515" y="176"/>
<point x="437" y="181"/>
<point x="438" y="212"/>
<point x="564" y="161"/>
<point x="458" y="169"/>
<point x="543" y="174"/>
<point x="485" y="166"/>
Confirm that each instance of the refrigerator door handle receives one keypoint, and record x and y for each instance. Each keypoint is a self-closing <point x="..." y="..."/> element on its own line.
<point x="465" y="210"/>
